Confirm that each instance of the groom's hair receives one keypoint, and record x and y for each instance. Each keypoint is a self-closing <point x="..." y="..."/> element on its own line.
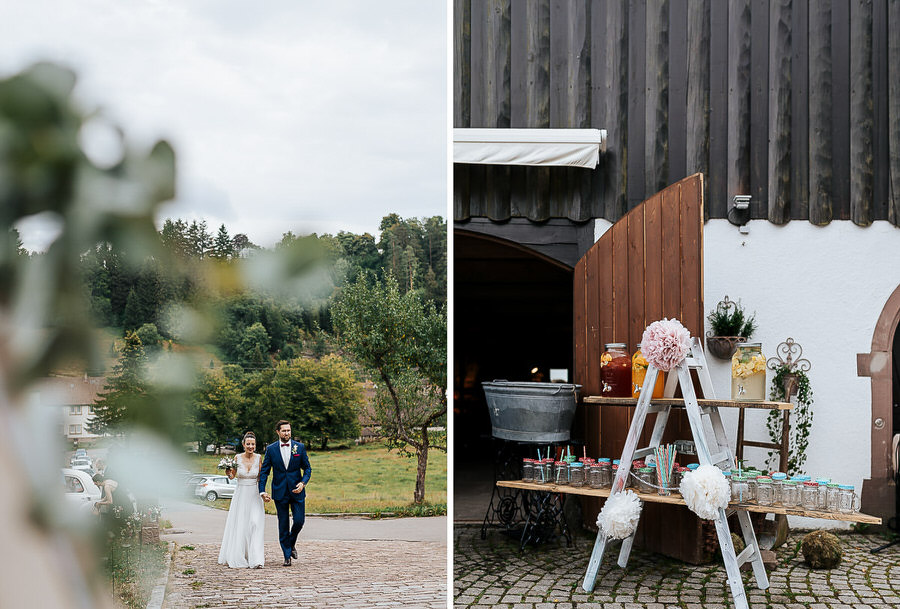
<point x="280" y="423"/>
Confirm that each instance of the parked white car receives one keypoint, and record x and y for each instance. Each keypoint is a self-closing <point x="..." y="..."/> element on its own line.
<point x="214" y="487"/>
<point x="80" y="489"/>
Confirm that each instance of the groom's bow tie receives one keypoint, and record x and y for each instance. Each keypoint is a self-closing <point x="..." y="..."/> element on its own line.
<point x="288" y="444"/>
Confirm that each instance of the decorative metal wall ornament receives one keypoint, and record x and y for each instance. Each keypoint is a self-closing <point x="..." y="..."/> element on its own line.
<point x="788" y="354"/>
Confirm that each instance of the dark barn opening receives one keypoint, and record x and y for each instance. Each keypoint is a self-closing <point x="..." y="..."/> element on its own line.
<point x="512" y="314"/>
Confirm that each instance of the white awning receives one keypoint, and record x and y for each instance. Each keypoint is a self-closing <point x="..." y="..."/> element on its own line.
<point x="547" y="147"/>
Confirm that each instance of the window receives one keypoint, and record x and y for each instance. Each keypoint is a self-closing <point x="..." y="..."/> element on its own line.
<point x="74" y="409"/>
<point x="90" y="409"/>
<point x="73" y="485"/>
<point x="74" y="430"/>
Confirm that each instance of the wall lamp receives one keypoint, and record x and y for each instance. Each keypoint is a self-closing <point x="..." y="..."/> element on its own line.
<point x="739" y="209"/>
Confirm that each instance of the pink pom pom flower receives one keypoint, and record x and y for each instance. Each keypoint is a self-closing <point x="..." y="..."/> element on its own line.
<point x="665" y="343"/>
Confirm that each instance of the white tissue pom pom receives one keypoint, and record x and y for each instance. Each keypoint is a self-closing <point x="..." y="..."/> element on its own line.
<point x="620" y="515"/>
<point x="705" y="490"/>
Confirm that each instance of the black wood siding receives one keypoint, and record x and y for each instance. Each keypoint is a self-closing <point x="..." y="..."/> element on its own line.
<point x="795" y="102"/>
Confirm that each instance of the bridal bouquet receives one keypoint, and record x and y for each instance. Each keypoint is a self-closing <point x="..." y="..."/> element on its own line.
<point x="227" y="463"/>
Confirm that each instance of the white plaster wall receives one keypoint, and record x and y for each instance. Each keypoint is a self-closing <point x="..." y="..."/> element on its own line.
<point x="825" y="287"/>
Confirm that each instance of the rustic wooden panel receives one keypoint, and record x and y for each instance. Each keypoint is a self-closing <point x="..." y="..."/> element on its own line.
<point x="759" y="110"/>
<point x="609" y="104"/>
<point x="881" y="149"/>
<point x="821" y="168"/>
<point x="462" y="56"/>
<point x="656" y="166"/>
<point x="461" y="194"/>
<point x="719" y="108"/>
<point x="637" y="267"/>
<point x="620" y="282"/>
<point x="779" y="159"/>
<point x="697" y="111"/>
<point x="861" y="112"/>
<point x="840" y="108"/>
<point x="592" y="343"/>
<point x="637" y="83"/>
<point x="677" y="83"/>
<point x="739" y="118"/>
<point x="530" y="100"/>
<point x="799" y="111"/>
<point x="894" y="110"/>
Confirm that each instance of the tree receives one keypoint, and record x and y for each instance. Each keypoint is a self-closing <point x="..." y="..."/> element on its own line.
<point x="125" y="397"/>
<point x="223" y="246"/>
<point x="255" y="345"/>
<point x="150" y="338"/>
<point x="322" y="398"/>
<point x="217" y="405"/>
<point x="403" y="342"/>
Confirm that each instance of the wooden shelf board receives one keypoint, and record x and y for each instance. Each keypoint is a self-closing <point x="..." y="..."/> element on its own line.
<point x="601" y="401"/>
<point x="675" y="499"/>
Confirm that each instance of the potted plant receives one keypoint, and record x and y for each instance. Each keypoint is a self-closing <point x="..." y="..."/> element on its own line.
<point x="729" y="325"/>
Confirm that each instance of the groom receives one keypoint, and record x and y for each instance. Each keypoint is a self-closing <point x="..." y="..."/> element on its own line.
<point x="286" y="459"/>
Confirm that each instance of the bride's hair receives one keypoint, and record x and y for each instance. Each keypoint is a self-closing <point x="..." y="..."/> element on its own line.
<point x="249" y="434"/>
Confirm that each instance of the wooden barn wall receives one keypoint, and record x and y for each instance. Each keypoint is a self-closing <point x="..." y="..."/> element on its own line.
<point x="796" y="102"/>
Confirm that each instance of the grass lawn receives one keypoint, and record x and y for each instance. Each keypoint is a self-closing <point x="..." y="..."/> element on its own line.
<point x="364" y="478"/>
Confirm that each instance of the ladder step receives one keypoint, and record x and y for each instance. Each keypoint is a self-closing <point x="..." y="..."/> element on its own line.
<point x="643" y="452"/>
<point x="746" y="555"/>
<point x="720" y="458"/>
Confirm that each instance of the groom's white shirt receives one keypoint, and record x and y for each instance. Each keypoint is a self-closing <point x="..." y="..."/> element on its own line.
<point x="285" y="453"/>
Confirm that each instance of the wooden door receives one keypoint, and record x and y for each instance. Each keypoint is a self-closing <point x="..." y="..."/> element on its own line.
<point x="647" y="266"/>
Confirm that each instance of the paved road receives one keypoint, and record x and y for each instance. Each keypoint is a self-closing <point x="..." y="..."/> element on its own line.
<point x="344" y="562"/>
<point x="493" y="573"/>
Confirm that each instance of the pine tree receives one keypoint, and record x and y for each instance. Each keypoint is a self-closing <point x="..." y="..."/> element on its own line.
<point x="223" y="246"/>
<point x="125" y="393"/>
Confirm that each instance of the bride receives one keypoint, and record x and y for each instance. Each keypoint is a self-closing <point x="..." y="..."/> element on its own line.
<point x="242" y="542"/>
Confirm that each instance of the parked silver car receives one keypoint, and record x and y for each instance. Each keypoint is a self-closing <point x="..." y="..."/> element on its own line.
<point x="213" y="487"/>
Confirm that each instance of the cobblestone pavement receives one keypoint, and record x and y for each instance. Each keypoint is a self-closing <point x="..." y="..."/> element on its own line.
<point x="328" y="574"/>
<point x="492" y="572"/>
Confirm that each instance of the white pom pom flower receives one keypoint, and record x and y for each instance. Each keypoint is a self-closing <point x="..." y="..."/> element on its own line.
<point x="620" y="515"/>
<point x="705" y="490"/>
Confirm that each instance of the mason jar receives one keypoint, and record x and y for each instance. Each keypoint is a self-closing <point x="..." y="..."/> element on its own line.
<point x="752" y="486"/>
<point x="790" y="493"/>
<point x="809" y="498"/>
<point x="765" y="494"/>
<point x="639" y="366"/>
<point x="848" y="500"/>
<point x="542" y="471"/>
<point x="605" y="473"/>
<point x="748" y="373"/>
<point x="560" y="472"/>
<point x="594" y="478"/>
<point x="778" y="479"/>
<point x="615" y="372"/>
<point x="527" y="470"/>
<point x="740" y="491"/>
<point x="833" y="500"/>
<point x="646" y="480"/>
<point x="576" y="474"/>
<point x="822" y="500"/>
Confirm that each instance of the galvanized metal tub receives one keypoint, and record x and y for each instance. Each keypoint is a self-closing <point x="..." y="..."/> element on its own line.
<point x="531" y="412"/>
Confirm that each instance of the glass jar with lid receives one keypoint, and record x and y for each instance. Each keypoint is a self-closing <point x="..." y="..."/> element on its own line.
<point x="639" y="366"/>
<point x="645" y="480"/>
<point x="833" y="497"/>
<point x="778" y="479"/>
<point x="605" y="473"/>
<point x="615" y="372"/>
<point x="527" y="470"/>
<point x="809" y="497"/>
<point x="752" y="485"/>
<point x="560" y="472"/>
<point x="822" y="487"/>
<point x="594" y="479"/>
<point x="542" y="471"/>
<point x="739" y="490"/>
<point x="849" y="502"/>
<point x="765" y="494"/>
<point x="748" y="373"/>
<point x="576" y="474"/>
<point x="790" y="493"/>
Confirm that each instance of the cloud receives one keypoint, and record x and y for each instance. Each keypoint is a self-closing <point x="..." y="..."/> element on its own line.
<point x="283" y="114"/>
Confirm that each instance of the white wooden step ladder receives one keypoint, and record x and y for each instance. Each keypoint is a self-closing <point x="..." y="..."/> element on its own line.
<point x="714" y="450"/>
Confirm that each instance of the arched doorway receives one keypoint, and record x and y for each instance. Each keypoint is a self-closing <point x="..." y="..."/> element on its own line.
<point x="882" y="365"/>
<point x="512" y="315"/>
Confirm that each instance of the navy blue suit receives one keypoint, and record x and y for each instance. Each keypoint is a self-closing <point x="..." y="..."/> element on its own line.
<point x="284" y="480"/>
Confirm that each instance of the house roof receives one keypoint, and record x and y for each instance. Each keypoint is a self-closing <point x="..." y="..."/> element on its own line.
<point x="69" y="390"/>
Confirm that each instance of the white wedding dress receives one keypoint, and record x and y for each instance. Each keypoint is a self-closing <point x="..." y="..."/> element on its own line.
<point x="242" y="542"/>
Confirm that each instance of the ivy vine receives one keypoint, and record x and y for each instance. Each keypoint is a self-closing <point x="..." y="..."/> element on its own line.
<point x="800" y="418"/>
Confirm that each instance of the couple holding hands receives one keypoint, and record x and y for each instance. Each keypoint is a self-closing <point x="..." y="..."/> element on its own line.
<point x="243" y="539"/>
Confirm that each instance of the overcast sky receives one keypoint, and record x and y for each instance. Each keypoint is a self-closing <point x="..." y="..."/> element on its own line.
<point x="285" y="115"/>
